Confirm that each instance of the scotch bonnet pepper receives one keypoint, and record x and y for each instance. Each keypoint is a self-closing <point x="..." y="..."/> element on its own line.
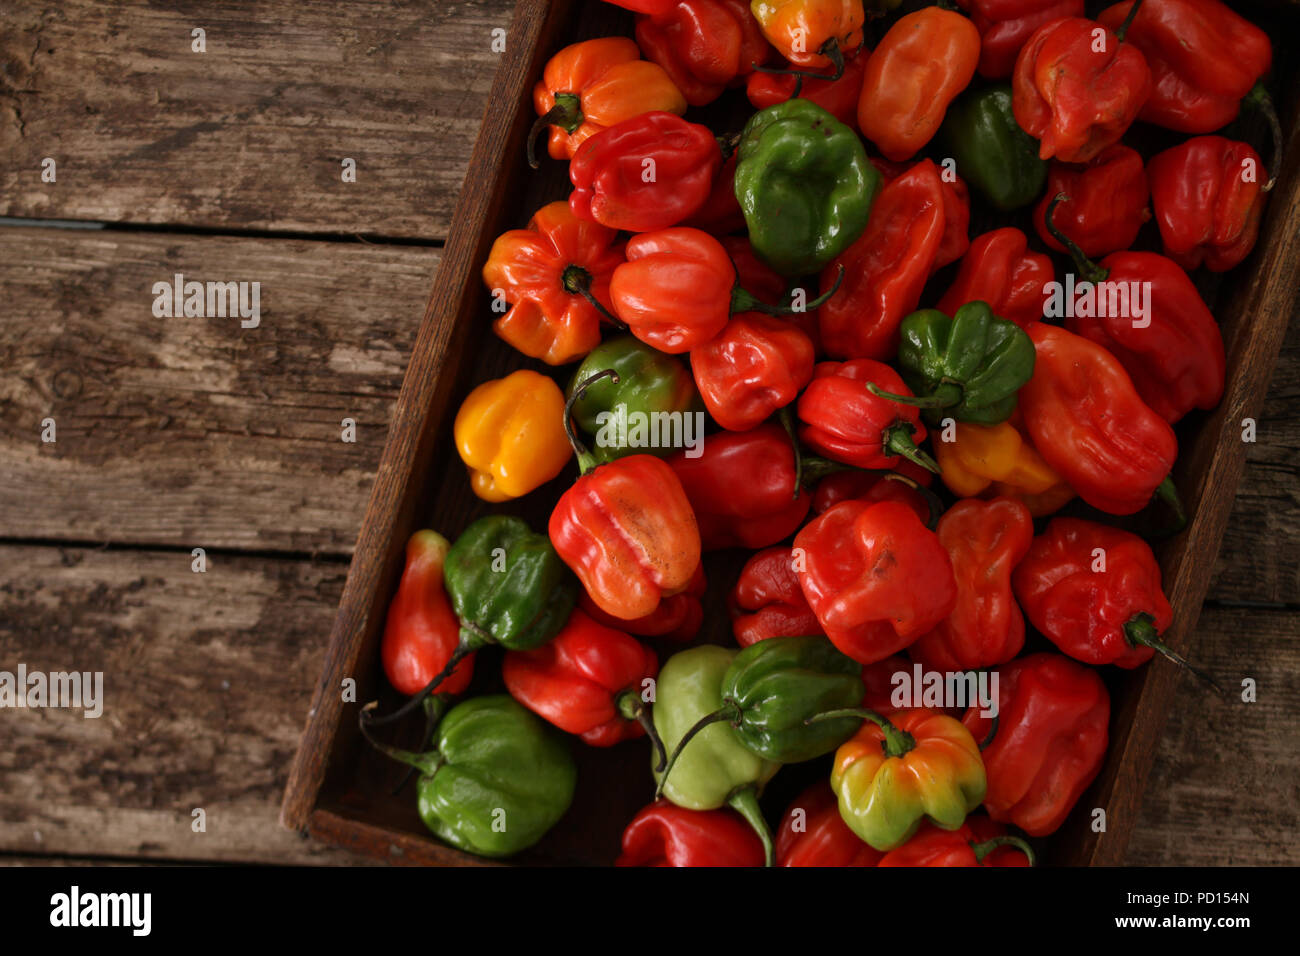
<point x="813" y="833"/>
<point x="812" y="33"/>
<point x="756" y="365"/>
<point x="998" y="158"/>
<point x="955" y="240"/>
<point x="1005" y="25"/>
<point x="677" y="618"/>
<point x="1106" y="202"/>
<point x="421" y="630"/>
<point x="838" y="96"/>
<point x="977" y="842"/>
<point x="767" y="600"/>
<point x="999" y="269"/>
<point x="703" y="45"/>
<point x="664" y="834"/>
<point x="1000" y="460"/>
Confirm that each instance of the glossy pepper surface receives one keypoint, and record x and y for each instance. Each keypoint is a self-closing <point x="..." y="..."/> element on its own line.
<point x="421" y="631"/>
<point x="664" y="834"/>
<point x="813" y="833"/>
<point x="875" y="576"/>
<point x="756" y="365"/>
<point x="648" y="172"/>
<point x="595" y="84"/>
<point x="895" y="773"/>
<point x="1049" y="743"/>
<point x="921" y="64"/>
<point x="999" y="269"/>
<point x="838" y="96"/>
<point x="907" y="485"/>
<point x="1106" y="202"/>
<point x="998" y="158"/>
<point x="956" y="209"/>
<point x="811" y="33"/>
<point x="767" y="600"/>
<point x="555" y="276"/>
<point x="1099" y="608"/>
<point x="1005" y="25"/>
<point x="509" y="434"/>
<point x="985" y="540"/>
<point x="1208" y="197"/>
<point x="804" y="184"/>
<point x="977" y="842"/>
<point x="1000" y="460"/>
<point x="703" y="45"/>
<point x="677" y="618"/>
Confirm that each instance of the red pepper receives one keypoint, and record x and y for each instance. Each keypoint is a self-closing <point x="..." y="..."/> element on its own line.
<point x="1005" y="25"/>
<point x="1090" y="425"/>
<point x="589" y="680"/>
<point x="839" y="97"/>
<point x="1209" y="196"/>
<point x="649" y="172"/>
<point x="1077" y="93"/>
<point x="421" y="630"/>
<point x="677" y="618"/>
<point x="985" y="541"/>
<point x="814" y="834"/>
<point x="664" y="834"/>
<point x="1049" y="742"/>
<point x="999" y="269"/>
<point x="721" y="213"/>
<point x="847" y="422"/>
<point x="886" y="268"/>
<point x="875" y="576"/>
<point x="1094" y="592"/>
<point x="1105" y="205"/>
<point x="767" y="600"/>
<point x="754" y="275"/>
<point x="742" y="488"/>
<point x="876" y="486"/>
<point x="878" y="679"/>
<point x="756" y="365"/>
<point x="956" y="209"/>
<point x="977" y="842"/>
<point x="703" y="45"/>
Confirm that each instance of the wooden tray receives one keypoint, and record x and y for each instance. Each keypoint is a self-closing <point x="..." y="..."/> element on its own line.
<point x="340" y="791"/>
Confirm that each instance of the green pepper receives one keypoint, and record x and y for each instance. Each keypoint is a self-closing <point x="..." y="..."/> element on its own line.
<point x="649" y="382"/>
<point x="496" y="779"/>
<point x="969" y="367"/>
<point x="997" y="157"/>
<point x="804" y="184"/>
<point x="719" y="770"/>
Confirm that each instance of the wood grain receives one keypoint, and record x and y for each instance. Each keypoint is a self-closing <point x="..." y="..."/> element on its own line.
<point x="192" y="432"/>
<point x="251" y="133"/>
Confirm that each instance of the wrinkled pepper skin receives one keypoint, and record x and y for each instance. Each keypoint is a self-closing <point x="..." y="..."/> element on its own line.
<point x="421" y="630"/>
<point x="985" y="540"/>
<point x="1000" y="460"/>
<point x="847" y="422"/>
<point x="838" y="97"/>
<point x="997" y="158"/>
<point x="956" y="210"/>
<point x="1106" y="204"/>
<point x="742" y="488"/>
<point x="597" y="84"/>
<point x="800" y="29"/>
<point x="628" y="532"/>
<point x="974" y="843"/>
<point x="1208" y="197"/>
<point x="971" y="366"/>
<point x="663" y="834"/>
<point x="1074" y="101"/>
<point x="507" y="585"/>
<point x="912" y="76"/>
<point x="999" y="269"/>
<point x="1090" y="425"/>
<point x="875" y="576"/>
<point x="886" y="269"/>
<point x="677" y="618"/>
<point x="1095" y="608"/>
<point x="542" y="272"/>
<point x="703" y="45"/>
<point x="509" y="434"/>
<point x="888" y="781"/>
<point x="588" y="681"/>
<point x="814" y="834"/>
<point x="1176" y="361"/>
<point x="804" y="184"/>
<point x="649" y="382"/>
<point x="755" y="366"/>
<point x="1005" y="25"/>
<point x="768" y="601"/>
<point x="1050" y="740"/>
<point x="609" y="179"/>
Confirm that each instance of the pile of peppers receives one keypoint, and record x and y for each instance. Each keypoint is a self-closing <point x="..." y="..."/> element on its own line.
<point x="791" y="433"/>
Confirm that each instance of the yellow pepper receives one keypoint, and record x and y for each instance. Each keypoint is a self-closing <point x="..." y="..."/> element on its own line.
<point x="997" y="459"/>
<point x="510" y="434"/>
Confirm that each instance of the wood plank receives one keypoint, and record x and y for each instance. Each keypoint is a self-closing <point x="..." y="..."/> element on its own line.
<point x="195" y="432"/>
<point x="252" y="132"/>
<point x="206" y="681"/>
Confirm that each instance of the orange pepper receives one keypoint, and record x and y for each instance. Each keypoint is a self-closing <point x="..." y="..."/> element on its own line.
<point x="923" y="62"/>
<point x="510" y="434"/>
<point x="811" y="33"/>
<point x="592" y="85"/>
<point x="998" y="460"/>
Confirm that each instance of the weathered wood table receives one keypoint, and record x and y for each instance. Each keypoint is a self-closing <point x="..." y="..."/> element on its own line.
<point x="172" y="434"/>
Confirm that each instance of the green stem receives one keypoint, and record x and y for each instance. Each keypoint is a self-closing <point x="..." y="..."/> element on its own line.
<point x="1259" y="99"/>
<point x="934" y="501"/>
<point x="1122" y="32"/>
<point x="786" y="417"/>
<point x="988" y="846"/>
<point x="566" y="114"/>
<point x="745" y="802"/>
<point x="1141" y="630"/>
<point x="471" y="639"/>
<point x="742" y="301"/>
<point x="945" y="396"/>
<point x="434" y="708"/>
<point x="577" y="281"/>
<point x="427" y="763"/>
<point x="896" y="743"/>
<point x="728" y="712"/>
<point x="830" y="49"/>
<point x="1090" y="271"/>
<point x="586" y="460"/>
<point x="897" y="440"/>
<point x="1167" y="492"/>
<point x="813" y="469"/>
<point x="630" y="706"/>
<point x="993" y="732"/>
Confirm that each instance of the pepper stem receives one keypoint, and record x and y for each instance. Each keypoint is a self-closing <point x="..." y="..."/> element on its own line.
<point x="1128" y="20"/>
<point x="577" y="281"/>
<point x="982" y="850"/>
<point x="729" y="712"/>
<point x="434" y="708"/>
<point x="945" y="396"/>
<point x="1141" y="629"/>
<point x="993" y="732"/>
<point x="467" y="646"/>
<point x="630" y="706"/>
<point x="586" y="460"/>
<point x="813" y="469"/>
<point x="745" y="802"/>
<point x="1259" y="99"/>
<point x="830" y="49"/>
<point x="1087" y="268"/>
<point x="896" y="743"/>
<point x="566" y="114"/>
<point x="787" y="422"/>
<point x="934" y="501"/>
<point x="427" y="763"/>
<point x="743" y="301"/>
<point x="898" y="441"/>
<point x="1167" y="492"/>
